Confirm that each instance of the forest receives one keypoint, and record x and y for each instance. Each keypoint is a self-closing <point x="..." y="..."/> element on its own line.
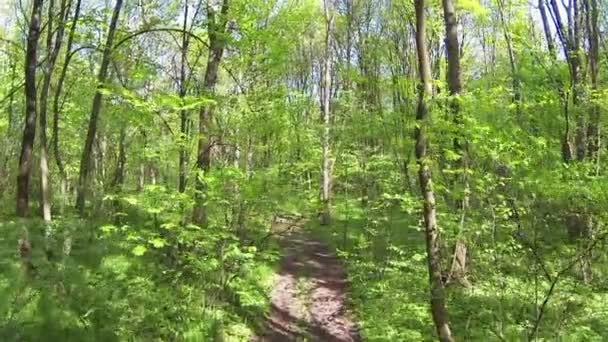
<point x="303" y="170"/>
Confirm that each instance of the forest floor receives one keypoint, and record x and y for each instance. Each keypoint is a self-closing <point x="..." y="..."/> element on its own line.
<point x="308" y="300"/>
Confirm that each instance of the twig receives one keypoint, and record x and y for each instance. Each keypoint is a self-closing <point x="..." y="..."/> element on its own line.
<point x="522" y="239"/>
<point x="556" y="279"/>
<point x="290" y="227"/>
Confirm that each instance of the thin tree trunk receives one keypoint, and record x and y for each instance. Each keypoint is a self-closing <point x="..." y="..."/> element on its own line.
<point x="546" y="29"/>
<point x="570" y="41"/>
<point x="515" y="81"/>
<point x="326" y="154"/>
<point x="57" y="99"/>
<point x="437" y="291"/>
<point x="577" y="86"/>
<point x="53" y="48"/>
<point x="86" y="161"/>
<point x="593" y="131"/>
<point x="567" y="150"/>
<point x="11" y="100"/>
<point x="29" y="131"/>
<point x="183" y="160"/>
<point x="216" y="30"/>
<point x="121" y="161"/>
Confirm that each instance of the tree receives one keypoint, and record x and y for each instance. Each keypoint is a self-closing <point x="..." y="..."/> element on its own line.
<point x="326" y="98"/>
<point x="425" y="91"/>
<point x="592" y="29"/>
<point x="569" y="37"/>
<point x="86" y="160"/>
<point x="53" y="46"/>
<point x="217" y="41"/>
<point x="182" y="93"/>
<point x="29" y="131"/>
<point x="59" y="93"/>
<point x="459" y="264"/>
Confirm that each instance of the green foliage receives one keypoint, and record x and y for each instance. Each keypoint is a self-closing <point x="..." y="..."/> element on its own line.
<point x="134" y="267"/>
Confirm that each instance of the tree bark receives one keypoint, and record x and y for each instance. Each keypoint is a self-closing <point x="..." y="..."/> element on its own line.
<point x="437" y="291"/>
<point x="86" y="160"/>
<point x="216" y="30"/>
<point x="29" y="131"/>
<point x="326" y="139"/>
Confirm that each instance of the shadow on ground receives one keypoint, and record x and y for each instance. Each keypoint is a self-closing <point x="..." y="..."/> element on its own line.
<point x="309" y="296"/>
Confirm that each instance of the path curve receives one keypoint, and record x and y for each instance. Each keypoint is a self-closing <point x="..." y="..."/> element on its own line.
<point x="308" y="301"/>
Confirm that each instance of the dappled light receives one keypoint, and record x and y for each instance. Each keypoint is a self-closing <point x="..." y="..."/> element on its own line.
<point x="303" y="170"/>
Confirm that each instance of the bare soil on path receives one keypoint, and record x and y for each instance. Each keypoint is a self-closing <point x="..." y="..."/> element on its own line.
<point x="308" y="301"/>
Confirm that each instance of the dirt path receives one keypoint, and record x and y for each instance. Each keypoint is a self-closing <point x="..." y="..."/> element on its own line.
<point x="308" y="299"/>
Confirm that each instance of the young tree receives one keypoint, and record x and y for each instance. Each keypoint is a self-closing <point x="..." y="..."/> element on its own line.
<point x="86" y="160"/>
<point x="59" y="93"/>
<point x="593" y="34"/>
<point x="217" y="41"/>
<point x="458" y="268"/>
<point x="53" y="46"/>
<point x="326" y="154"/>
<point x="183" y="160"/>
<point x="425" y="90"/>
<point x="569" y="37"/>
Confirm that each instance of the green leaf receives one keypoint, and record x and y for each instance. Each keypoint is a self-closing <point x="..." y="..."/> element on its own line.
<point x="139" y="250"/>
<point x="158" y="242"/>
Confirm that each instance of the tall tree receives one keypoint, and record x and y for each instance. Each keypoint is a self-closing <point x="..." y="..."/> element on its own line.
<point x="29" y="131"/>
<point x="216" y="30"/>
<point x="515" y="78"/>
<point x="59" y="93"/>
<point x="425" y="90"/>
<point x="592" y="23"/>
<point x="86" y="160"/>
<point x="53" y="45"/>
<point x="326" y="98"/>
<point x="183" y="160"/>
<point x="569" y="37"/>
<point x="454" y="78"/>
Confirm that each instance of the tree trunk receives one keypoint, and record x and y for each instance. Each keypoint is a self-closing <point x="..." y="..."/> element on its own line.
<point x="53" y="47"/>
<point x="216" y="30"/>
<point x="567" y="151"/>
<point x="570" y="41"/>
<point x="57" y="99"/>
<point x="29" y="131"/>
<point x="546" y="28"/>
<point x="515" y="82"/>
<point x="458" y="269"/>
<point x="577" y="87"/>
<point x="437" y="291"/>
<point x="86" y="160"/>
<point x="11" y="100"/>
<point x="326" y="154"/>
<point x="183" y="159"/>
<point x="593" y="131"/>
<point x="121" y="161"/>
